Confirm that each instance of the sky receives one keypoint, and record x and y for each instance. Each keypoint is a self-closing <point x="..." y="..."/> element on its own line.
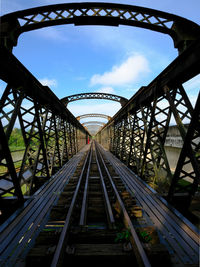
<point x="117" y="60"/>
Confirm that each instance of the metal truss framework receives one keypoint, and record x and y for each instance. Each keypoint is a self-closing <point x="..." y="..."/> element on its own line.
<point x="93" y="129"/>
<point x="137" y="133"/>
<point x="181" y="30"/>
<point x="50" y="133"/>
<point x="120" y="99"/>
<point x="96" y="115"/>
<point x="93" y="126"/>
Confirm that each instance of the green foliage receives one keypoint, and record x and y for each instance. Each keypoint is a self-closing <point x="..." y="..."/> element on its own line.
<point x="183" y="184"/>
<point x="16" y="140"/>
<point x="144" y="236"/>
<point x="23" y="188"/>
<point x="123" y="236"/>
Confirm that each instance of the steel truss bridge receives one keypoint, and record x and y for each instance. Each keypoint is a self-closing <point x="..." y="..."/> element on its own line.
<point x="136" y="134"/>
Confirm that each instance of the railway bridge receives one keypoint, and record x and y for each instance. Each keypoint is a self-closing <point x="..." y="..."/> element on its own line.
<point x="107" y="196"/>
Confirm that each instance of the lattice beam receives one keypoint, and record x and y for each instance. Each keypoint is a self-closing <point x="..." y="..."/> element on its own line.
<point x="96" y="115"/>
<point x="49" y="133"/>
<point x="181" y="30"/>
<point x="93" y="123"/>
<point x="71" y="98"/>
<point x="139" y="131"/>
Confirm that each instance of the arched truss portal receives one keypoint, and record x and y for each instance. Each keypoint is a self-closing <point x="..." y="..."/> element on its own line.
<point x="93" y="123"/>
<point x="180" y="29"/>
<point x="96" y="115"/>
<point x="93" y="129"/>
<point x="120" y="99"/>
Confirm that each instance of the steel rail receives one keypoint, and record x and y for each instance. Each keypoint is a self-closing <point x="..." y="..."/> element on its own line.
<point x="171" y="226"/>
<point x="176" y="227"/>
<point x="106" y="197"/>
<point x="59" y="249"/>
<point x="16" y="236"/>
<point x="85" y="194"/>
<point x="137" y="246"/>
<point x="174" y="218"/>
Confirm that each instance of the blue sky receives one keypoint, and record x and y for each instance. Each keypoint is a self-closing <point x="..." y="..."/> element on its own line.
<point x="116" y="60"/>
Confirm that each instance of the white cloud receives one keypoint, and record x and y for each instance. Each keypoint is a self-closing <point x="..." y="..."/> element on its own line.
<point x="107" y="90"/>
<point x="48" y="82"/>
<point x="129" y="71"/>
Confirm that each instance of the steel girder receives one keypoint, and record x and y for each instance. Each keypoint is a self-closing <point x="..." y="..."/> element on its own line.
<point x="181" y="30"/>
<point x="96" y="115"/>
<point x="50" y="133"/>
<point x="120" y="99"/>
<point x="137" y="133"/>
<point x="93" y="123"/>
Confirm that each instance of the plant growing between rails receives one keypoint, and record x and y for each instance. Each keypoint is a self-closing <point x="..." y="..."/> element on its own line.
<point x="123" y="237"/>
<point x="144" y="236"/>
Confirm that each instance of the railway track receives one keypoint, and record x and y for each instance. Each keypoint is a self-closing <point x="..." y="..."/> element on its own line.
<point x="92" y="221"/>
<point x="96" y="211"/>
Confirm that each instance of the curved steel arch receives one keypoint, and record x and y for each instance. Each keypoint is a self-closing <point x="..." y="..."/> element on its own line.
<point x="97" y="115"/>
<point x="93" y="123"/>
<point x="120" y="99"/>
<point x="180" y="29"/>
<point x="93" y="129"/>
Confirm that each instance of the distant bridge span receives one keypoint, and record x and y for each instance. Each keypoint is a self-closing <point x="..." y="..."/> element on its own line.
<point x="93" y="123"/>
<point x="120" y="99"/>
<point x="96" y="115"/>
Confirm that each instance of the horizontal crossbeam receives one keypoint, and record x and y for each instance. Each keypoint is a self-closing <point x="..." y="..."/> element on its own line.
<point x="96" y="115"/>
<point x="71" y="98"/>
<point x="180" y="29"/>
